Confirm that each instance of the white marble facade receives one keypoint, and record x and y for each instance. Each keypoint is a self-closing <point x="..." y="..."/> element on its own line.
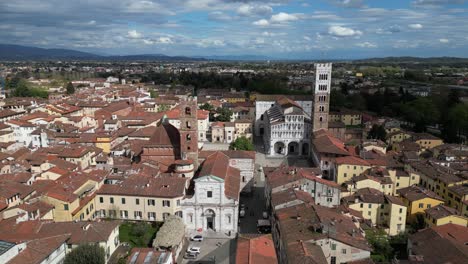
<point x="209" y="209"/>
<point x="287" y="131"/>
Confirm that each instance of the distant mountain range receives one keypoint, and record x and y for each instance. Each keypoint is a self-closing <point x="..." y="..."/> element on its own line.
<point x="9" y="52"/>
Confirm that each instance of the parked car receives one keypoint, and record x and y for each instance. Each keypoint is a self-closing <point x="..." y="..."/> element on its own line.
<point x="242" y="206"/>
<point x="194" y="250"/>
<point x="198" y="238"/>
<point x="265" y="215"/>
<point x="190" y="256"/>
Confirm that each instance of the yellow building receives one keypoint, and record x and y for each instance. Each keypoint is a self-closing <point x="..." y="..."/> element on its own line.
<point x="397" y="136"/>
<point x="104" y="142"/>
<point x="436" y="178"/>
<point x="79" y="155"/>
<point x="402" y="179"/>
<point x="384" y="211"/>
<point x="348" y="117"/>
<point x="243" y="128"/>
<point x="427" y="141"/>
<point x="417" y="200"/>
<point x="73" y="195"/>
<point x="457" y="196"/>
<point x="234" y="97"/>
<point x="348" y="167"/>
<point x="381" y="184"/>
<point x="441" y="215"/>
<point x="142" y="198"/>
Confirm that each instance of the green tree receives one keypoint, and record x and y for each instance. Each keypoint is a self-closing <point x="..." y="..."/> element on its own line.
<point x="337" y="100"/>
<point x="382" y="250"/>
<point x="421" y="112"/>
<point x="241" y="143"/>
<point x="86" y="254"/>
<point x="377" y="132"/>
<point x="153" y="93"/>
<point x="70" y="88"/>
<point x="223" y="114"/>
<point x="21" y="89"/>
<point x="207" y="107"/>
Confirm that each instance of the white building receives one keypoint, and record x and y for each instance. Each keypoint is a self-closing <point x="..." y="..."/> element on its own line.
<point x="22" y="131"/>
<point x="265" y="102"/>
<point x="286" y="124"/>
<point x="287" y="129"/>
<point x="213" y="207"/>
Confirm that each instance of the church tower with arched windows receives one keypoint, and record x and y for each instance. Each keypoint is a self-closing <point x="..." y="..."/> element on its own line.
<point x="189" y="130"/>
<point x="321" y="108"/>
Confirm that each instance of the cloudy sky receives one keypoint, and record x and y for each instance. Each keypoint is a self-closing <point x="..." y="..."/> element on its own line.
<point x="300" y="29"/>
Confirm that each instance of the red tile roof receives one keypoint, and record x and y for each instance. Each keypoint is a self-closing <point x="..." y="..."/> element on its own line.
<point x="218" y="165"/>
<point x="252" y="249"/>
<point x="351" y="160"/>
<point x="40" y="249"/>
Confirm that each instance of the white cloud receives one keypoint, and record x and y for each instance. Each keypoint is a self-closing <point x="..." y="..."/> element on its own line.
<point x="254" y="10"/>
<point x="261" y="22"/>
<point x="211" y="43"/>
<point x="164" y="40"/>
<point x="444" y="40"/>
<point x="284" y="17"/>
<point x="366" y="45"/>
<point x="134" y="34"/>
<point x="339" y="31"/>
<point x="415" y="26"/>
<point x="307" y="38"/>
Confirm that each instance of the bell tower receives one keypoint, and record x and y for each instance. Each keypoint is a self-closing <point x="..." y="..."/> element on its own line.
<point x="323" y="74"/>
<point x="189" y="130"/>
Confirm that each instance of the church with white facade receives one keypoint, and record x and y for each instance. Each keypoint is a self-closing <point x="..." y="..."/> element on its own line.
<point x="286" y="123"/>
<point x="214" y="205"/>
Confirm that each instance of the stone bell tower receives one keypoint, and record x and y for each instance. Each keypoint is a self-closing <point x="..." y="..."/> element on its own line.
<point x="323" y="74"/>
<point x="189" y="130"/>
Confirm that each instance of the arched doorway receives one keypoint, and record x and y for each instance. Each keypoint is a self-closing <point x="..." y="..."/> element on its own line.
<point x="293" y="148"/>
<point x="262" y="129"/>
<point x="305" y="149"/>
<point x="210" y="217"/>
<point x="280" y="148"/>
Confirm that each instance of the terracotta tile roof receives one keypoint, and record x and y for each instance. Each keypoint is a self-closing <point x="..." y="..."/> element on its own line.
<point x="435" y="172"/>
<point x="74" y="151"/>
<point x="290" y="195"/>
<point x="38" y="250"/>
<point x="441" y="211"/>
<point x="283" y="175"/>
<point x="351" y="160"/>
<point x="145" y="132"/>
<point x="20" y="177"/>
<point x="65" y="187"/>
<point x="366" y="195"/>
<point x="415" y="193"/>
<point x="165" y="135"/>
<point x="218" y="165"/>
<point x="307" y="222"/>
<point x="240" y="154"/>
<point x="443" y="244"/>
<point x="81" y="232"/>
<point x="145" y="186"/>
<point x="9" y="189"/>
<point x="324" y="142"/>
<point x="252" y="249"/>
<point x="43" y="207"/>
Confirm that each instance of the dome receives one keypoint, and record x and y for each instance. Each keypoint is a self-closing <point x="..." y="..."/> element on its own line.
<point x="165" y="135"/>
